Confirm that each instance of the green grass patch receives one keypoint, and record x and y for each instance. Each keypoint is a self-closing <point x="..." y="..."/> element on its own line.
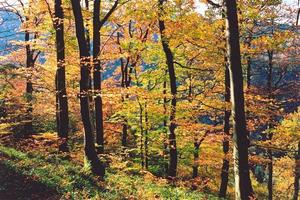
<point x="75" y="182"/>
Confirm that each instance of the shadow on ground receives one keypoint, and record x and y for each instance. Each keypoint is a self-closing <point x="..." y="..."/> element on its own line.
<point x="14" y="186"/>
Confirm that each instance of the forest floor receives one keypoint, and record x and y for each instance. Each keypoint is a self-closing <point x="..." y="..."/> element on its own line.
<point x="17" y="186"/>
<point x="31" y="169"/>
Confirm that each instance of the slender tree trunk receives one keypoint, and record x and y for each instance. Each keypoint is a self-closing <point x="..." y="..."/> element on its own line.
<point x="196" y="158"/>
<point x="97" y="78"/>
<point x="124" y="70"/>
<point x="146" y="137"/>
<point x="225" y="166"/>
<point x="248" y="58"/>
<point x="297" y="174"/>
<point x="88" y="44"/>
<point x="270" y="70"/>
<point x="243" y="187"/>
<point x="126" y="84"/>
<point x="124" y="133"/>
<point x="87" y="29"/>
<point x="57" y="109"/>
<point x="89" y="145"/>
<point x="269" y="152"/>
<point x="61" y="92"/>
<point x="171" y="69"/>
<point x="165" y="151"/>
<point x="28" y="128"/>
<point x="270" y="175"/>
<point x="142" y="137"/>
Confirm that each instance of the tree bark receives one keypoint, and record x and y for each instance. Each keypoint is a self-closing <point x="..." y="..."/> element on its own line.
<point x="171" y="69"/>
<point x="269" y="152"/>
<point x="124" y="83"/>
<point x="146" y="137"/>
<point x="270" y="70"/>
<point x="165" y="151"/>
<point x="270" y="175"/>
<point x="89" y="145"/>
<point x="28" y="128"/>
<point x="142" y="137"/>
<point x="225" y="166"/>
<point x="61" y="93"/>
<point x="97" y="77"/>
<point x="196" y="159"/>
<point x="243" y="187"/>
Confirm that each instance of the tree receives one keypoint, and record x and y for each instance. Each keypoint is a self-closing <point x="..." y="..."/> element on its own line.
<point x="172" y="77"/>
<point x="61" y="93"/>
<point x="97" y="76"/>
<point x="225" y="166"/>
<point x="89" y="145"/>
<point x="97" y="24"/>
<point x="243" y="187"/>
<point x="31" y="58"/>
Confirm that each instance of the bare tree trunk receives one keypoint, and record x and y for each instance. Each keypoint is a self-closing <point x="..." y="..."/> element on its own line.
<point x="97" y="78"/>
<point x="243" y="187"/>
<point x="270" y="70"/>
<point x="270" y="175"/>
<point x="124" y="83"/>
<point x="225" y="166"/>
<point x="196" y="159"/>
<point x="61" y="92"/>
<point x="165" y="151"/>
<point x="146" y="137"/>
<point x="248" y="58"/>
<point x="89" y="145"/>
<point x="269" y="152"/>
<point x="171" y="69"/>
<point x="28" y="128"/>
<point x="142" y="137"/>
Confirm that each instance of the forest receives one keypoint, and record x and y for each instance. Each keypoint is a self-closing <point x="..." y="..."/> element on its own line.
<point x="149" y="99"/>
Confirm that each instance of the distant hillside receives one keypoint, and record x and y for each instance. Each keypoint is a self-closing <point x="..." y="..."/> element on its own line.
<point x="9" y="31"/>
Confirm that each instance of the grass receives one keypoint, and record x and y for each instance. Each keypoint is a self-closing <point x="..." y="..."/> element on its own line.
<point x="73" y="181"/>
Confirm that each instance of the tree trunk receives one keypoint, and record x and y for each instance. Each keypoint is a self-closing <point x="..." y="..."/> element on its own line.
<point x="225" y="166"/>
<point x="243" y="187"/>
<point x="142" y="137"/>
<point x="170" y="63"/>
<point x="270" y="175"/>
<point x="146" y="137"/>
<point x="196" y="159"/>
<point x="88" y="43"/>
<point x="97" y="78"/>
<point x="165" y="151"/>
<point x="248" y="58"/>
<point x="269" y="152"/>
<point x="89" y="145"/>
<point x="297" y="174"/>
<point x="270" y="70"/>
<point x="87" y="30"/>
<point x="61" y="93"/>
<point x="124" y="71"/>
<point x="28" y="129"/>
<point x="124" y="133"/>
